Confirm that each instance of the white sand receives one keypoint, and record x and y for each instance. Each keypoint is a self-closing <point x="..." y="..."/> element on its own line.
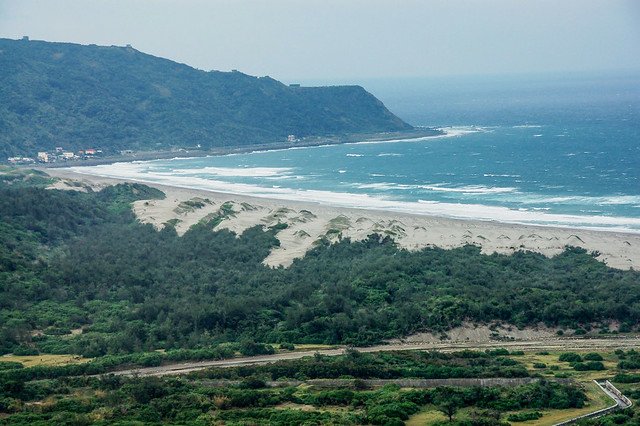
<point x="308" y="222"/>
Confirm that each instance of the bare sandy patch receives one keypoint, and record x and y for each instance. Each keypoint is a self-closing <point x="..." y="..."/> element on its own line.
<point x="478" y="333"/>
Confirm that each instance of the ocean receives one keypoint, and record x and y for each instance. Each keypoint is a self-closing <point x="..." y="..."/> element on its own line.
<point x="545" y="150"/>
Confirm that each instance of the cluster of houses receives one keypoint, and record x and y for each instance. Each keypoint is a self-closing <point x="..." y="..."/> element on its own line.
<point x="60" y="154"/>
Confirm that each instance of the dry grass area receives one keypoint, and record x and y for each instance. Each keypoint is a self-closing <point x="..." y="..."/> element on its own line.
<point x="307" y="407"/>
<point x="294" y="406"/>
<point x="46" y="360"/>
<point x="551" y="361"/>
<point x="426" y="417"/>
<point x="313" y="347"/>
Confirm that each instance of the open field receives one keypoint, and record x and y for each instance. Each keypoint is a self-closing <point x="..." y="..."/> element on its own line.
<point x="428" y="416"/>
<point x="44" y="360"/>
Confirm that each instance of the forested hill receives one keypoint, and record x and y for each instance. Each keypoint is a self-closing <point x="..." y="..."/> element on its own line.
<point x="114" y="98"/>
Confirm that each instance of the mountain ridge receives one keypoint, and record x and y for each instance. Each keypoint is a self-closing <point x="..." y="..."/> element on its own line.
<point x="113" y="98"/>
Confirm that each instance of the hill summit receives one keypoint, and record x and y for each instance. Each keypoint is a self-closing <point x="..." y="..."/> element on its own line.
<point x="115" y="98"/>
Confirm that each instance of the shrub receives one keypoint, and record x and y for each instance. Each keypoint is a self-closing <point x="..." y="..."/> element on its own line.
<point x="334" y="397"/>
<point x="626" y="378"/>
<point x="589" y="366"/>
<point x="570" y="357"/>
<point x="25" y="351"/>
<point x="10" y="365"/>
<point x="629" y="364"/>
<point x="398" y="410"/>
<point x="592" y="356"/>
<point x="625" y="328"/>
<point x="287" y="346"/>
<point x="523" y="417"/>
<point x="539" y="365"/>
<point x="497" y="352"/>
<point x="253" y="348"/>
<point x="253" y="383"/>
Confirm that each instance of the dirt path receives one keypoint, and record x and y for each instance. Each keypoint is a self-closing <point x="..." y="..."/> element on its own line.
<point x="557" y="344"/>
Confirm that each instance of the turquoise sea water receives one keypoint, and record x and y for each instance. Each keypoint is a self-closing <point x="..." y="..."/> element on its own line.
<point x="541" y="150"/>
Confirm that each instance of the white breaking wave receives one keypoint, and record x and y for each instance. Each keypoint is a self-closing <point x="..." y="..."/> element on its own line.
<point x="581" y="199"/>
<point x="385" y="186"/>
<point x="235" y="171"/>
<point x="469" y="189"/>
<point x="355" y="155"/>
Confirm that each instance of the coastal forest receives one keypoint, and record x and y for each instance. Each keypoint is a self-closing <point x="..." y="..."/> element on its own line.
<point x="80" y="275"/>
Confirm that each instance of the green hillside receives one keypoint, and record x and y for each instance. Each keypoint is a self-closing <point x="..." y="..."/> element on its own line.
<point x="114" y="98"/>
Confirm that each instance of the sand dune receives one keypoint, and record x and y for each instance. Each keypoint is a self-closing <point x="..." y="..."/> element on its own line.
<point x="309" y="222"/>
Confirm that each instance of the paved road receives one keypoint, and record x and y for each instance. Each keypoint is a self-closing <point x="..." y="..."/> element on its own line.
<point x="556" y="344"/>
<point x="615" y="394"/>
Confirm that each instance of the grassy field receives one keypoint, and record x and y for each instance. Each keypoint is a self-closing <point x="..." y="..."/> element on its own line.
<point x="563" y="368"/>
<point x="47" y="360"/>
<point x="597" y="401"/>
<point x="313" y="347"/>
<point x="428" y="416"/>
<point x="597" y="398"/>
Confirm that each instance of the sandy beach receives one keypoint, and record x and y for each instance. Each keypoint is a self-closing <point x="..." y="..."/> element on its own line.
<point x="307" y="222"/>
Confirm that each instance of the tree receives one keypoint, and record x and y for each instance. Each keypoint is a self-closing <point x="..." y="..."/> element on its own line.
<point x="449" y="406"/>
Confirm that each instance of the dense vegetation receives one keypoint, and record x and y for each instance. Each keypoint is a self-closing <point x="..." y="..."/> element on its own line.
<point x="392" y="365"/>
<point x="180" y="401"/>
<point x="72" y="260"/>
<point x="114" y="98"/>
<point x="255" y="398"/>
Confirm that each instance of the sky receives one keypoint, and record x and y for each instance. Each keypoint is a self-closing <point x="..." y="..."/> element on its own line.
<point x="349" y="39"/>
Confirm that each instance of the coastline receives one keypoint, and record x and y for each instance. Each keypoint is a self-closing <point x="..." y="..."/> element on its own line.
<point x="309" y="221"/>
<point x="418" y="133"/>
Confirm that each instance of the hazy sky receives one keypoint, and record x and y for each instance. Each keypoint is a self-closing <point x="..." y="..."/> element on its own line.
<point x="348" y="39"/>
